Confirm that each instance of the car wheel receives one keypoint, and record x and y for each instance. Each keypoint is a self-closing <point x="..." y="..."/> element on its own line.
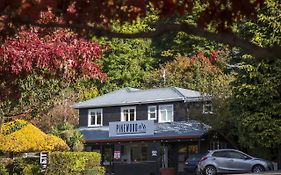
<point x="258" y="168"/>
<point x="210" y="170"/>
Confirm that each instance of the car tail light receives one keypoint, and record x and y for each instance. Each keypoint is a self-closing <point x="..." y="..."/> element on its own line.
<point x="203" y="158"/>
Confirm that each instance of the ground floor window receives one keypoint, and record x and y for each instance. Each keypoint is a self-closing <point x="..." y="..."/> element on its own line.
<point x="134" y="153"/>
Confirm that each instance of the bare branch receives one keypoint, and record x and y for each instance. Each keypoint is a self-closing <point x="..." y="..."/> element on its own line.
<point x="225" y="38"/>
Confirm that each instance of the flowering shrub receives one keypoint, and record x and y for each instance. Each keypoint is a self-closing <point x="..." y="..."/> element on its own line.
<point x="29" y="139"/>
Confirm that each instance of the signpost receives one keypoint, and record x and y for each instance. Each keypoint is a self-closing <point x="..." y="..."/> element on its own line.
<point x="43" y="159"/>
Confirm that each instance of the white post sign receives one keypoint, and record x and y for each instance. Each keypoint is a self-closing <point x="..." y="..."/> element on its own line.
<point x="43" y="159"/>
<point x="139" y="127"/>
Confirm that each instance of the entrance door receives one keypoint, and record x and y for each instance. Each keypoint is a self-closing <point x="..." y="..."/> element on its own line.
<point x="184" y="150"/>
<point x="107" y="157"/>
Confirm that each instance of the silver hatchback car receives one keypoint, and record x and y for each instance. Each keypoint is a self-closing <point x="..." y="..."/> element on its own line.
<point x="231" y="161"/>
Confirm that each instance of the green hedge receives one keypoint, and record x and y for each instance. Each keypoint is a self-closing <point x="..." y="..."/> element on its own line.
<point x="74" y="163"/>
<point x="25" y="166"/>
<point x="3" y="170"/>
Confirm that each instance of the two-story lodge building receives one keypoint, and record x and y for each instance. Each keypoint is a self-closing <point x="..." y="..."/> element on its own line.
<point x="141" y="131"/>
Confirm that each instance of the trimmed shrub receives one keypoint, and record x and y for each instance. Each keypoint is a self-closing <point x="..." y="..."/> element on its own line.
<point x="25" y="166"/>
<point x="3" y="170"/>
<point x="74" y="163"/>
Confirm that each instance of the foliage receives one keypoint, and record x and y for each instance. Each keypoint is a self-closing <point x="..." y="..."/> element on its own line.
<point x="198" y="72"/>
<point x="259" y="119"/>
<point x="74" y="163"/>
<point x="256" y="101"/>
<point x="127" y="61"/>
<point x="25" y="166"/>
<point x="95" y="17"/>
<point x="19" y="141"/>
<point x="3" y="170"/>
<point x="171" y="44"/>
<point x="223" y="13"/>
<point x="13" y="126"/>
<point x="36" y="63"/>
<point x="207" y="74"/>
<point x="55" y="53"/>
<point x="70" y="135"/>
<point x="61" y="112"/>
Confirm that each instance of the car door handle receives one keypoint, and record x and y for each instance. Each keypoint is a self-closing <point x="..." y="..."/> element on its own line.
<point x="231" y="160"/>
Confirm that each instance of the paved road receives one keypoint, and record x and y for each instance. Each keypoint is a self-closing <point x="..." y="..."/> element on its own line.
<point x="264" y="173"/>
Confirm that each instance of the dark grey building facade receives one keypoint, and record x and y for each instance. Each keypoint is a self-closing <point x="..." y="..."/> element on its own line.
<point x="147" y="131"/>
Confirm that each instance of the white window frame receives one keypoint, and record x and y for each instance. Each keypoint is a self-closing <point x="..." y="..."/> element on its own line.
<point x="149" y="112"/>
<point x="128" y="108"/>
<point x="205" y="111"/>
<point x="89" y="117"/>
<point x="159" y="113"/>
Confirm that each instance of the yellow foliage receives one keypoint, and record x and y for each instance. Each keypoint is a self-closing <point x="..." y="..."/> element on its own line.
<point x="30" y="139"/>
<point x="10" y="125"/>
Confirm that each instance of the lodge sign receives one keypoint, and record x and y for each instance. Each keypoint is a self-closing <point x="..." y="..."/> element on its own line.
<point x="140" y="127"/>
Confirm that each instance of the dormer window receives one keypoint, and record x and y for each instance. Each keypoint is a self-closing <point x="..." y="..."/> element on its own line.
<point x="152" y="112"/>
<point x="128" y="113"/>
<point x="166" y="113"/>
<point x="95" y="117"/>
<point x="207" y="108"/>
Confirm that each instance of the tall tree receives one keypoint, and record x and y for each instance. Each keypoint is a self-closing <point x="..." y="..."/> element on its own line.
<point x="90" y="17"/>
<point x="35" y="55"/>
<point x="257" y="94"/>
<point x="127" y="61"/>
<point x="204" y="73"/>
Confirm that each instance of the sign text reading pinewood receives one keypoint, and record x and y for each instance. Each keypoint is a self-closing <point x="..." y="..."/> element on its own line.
<point x="141" y="127"/>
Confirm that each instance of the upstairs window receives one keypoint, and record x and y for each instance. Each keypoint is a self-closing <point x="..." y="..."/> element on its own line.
<point x="95" y="117"/>
<point x="166" y="113"/>
<point x="207" y="109"/>
<point x="152" y="112"/>
<point x="128" y="113"/>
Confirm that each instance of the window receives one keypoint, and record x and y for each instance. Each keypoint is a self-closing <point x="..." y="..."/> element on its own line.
<point x="207" y="109"/>
<point x="128" y="113"/>
<point x="166" y="113"/>
<point x="95" y="117"/>
<point x="223" y="154"/>
<point x="237" y="155"/>
<point x="134" y="153"/>
<point x="152" y="113"/>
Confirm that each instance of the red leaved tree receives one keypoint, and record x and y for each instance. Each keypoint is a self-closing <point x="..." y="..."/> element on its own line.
<point x="50" y="54"/>
<point x="93" y="17"/>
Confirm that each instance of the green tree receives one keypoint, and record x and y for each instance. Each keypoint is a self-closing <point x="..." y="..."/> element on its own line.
<point x="127" y="61"/>
<point x="256" y="101"/>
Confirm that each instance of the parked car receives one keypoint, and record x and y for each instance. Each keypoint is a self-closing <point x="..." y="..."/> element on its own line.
<point x="192" y="161"/>
<point x="231" y="161"/>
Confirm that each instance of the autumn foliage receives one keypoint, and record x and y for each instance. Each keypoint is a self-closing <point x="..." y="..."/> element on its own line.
<point x="21" y="136"/>
<point x="222" y="12"/>
<point x="51" y="53"/>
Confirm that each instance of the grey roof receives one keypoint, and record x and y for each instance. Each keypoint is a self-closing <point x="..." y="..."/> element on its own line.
<point x="173" y="130"/>
<point x="131" y="96"/>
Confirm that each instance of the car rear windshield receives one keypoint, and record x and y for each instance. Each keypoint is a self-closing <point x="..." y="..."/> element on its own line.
<point x="196" y="156"/>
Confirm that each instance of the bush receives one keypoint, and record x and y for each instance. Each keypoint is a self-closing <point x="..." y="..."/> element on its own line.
<point x="73" y="137"/>
<point x="74" y="163"/>
<point x="3" y="170"/>
<point x="25" y="166"/>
